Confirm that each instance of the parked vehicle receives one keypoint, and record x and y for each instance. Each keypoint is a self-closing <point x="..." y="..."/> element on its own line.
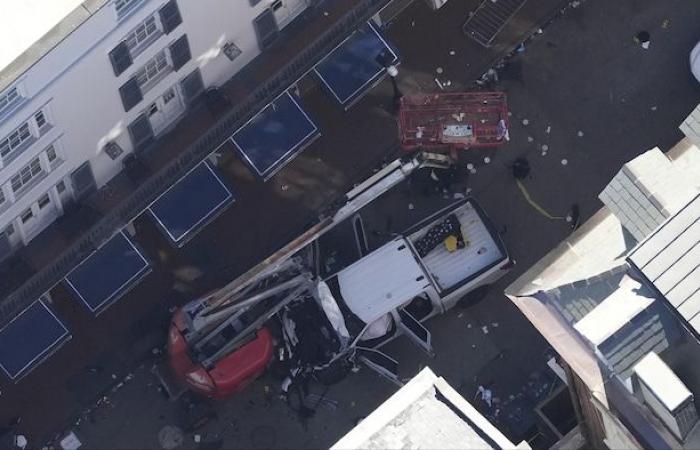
<point x="338" y="293"/>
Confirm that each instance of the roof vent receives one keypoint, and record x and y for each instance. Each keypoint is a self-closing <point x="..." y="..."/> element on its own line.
<point x="665" y="394"/>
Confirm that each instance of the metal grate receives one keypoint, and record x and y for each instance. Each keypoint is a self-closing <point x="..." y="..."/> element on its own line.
<point x="490" y="18"/>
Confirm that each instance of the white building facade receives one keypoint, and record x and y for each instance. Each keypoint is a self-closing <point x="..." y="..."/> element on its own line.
<point x="94" y="81"/>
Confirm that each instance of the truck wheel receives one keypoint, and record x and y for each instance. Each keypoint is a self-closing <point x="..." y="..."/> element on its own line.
<point x="474" y="297"/>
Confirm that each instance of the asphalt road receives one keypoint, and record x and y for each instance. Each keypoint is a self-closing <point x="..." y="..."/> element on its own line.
<point x="584" y="74"/>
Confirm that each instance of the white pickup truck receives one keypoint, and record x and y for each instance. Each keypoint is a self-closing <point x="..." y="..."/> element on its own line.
<point x="370" y="272"/>
<point x="387" y="292"/>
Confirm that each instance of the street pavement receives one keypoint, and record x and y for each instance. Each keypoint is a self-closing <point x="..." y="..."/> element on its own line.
<point x="586" y="90"/>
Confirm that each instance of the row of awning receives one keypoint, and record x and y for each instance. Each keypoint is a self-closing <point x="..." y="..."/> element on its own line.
<point x="267" y="142"/>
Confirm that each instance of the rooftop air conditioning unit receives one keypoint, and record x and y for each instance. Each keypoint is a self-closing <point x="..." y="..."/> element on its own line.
<point x="665" y="394"/>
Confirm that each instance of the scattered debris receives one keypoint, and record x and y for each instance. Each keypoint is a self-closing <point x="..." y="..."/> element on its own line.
<point x="510" y="114"/>
<point x="643" y="38"/>
<point x="485" y="329"/>
<point x="520" y="48"/>
<point x="471" y="168"/>
<point x="438" y="70"/>
<point x="564" y="162"/>
<point x="439" y="84"/>
<point x="70" y="442"/>
<point x="452" y="52"/>
<point x="473" y="345"/>
<point x="413" y="23"/>
<point x="548" y="129"/>
<point x="530" y="139"/>
<point x="460" y="315"/>
<point x="285" y="187"/>
<point x="665" y="24"/>
<point x="197" y="438"/>
<point x="485" y="394"/>
<point x="580" y="133"/>
<point x="325" y="13"/>
<point x="544" y="153"/>
<point x="654" y="108"/>
<point x="469" y="190"/>
<point x="494" y="324"/>
<point x="469" y="325"/>
<point x="458" y="195"/>
<point x="575" y="4"/>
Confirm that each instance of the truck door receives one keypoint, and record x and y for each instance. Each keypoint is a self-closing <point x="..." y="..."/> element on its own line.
<point x="379" y="362"/>
<point x="416" y="332"/>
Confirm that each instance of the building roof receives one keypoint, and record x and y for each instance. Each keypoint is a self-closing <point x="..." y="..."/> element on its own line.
<point x="620" y="307"/>
<point x="646" y="191"/>
<point x="669" y="259"/>
<point x="425" y="414"/>
<point x="29" y="29"/>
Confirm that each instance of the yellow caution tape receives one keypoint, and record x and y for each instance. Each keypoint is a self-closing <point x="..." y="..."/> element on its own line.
<point x="534" y="204"/>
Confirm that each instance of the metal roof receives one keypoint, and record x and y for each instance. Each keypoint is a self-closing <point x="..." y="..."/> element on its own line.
<point x="669" y="259"/>
<point x="383" y="280"/>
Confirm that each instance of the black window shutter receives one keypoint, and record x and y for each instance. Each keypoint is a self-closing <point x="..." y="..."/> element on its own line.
<point x="131" y="94"/>
<point x="180" y="52"/>
<point x="120" y="57"/>
<point x="83" y="181"/>
<point x="141" y="132"/>
<point x="266" y="28"/>
<point x="170" y="16"/>
<point x="192" y="85"/>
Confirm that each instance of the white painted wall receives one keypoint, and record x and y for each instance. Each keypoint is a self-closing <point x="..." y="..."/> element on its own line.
<point x="76" y="82"/>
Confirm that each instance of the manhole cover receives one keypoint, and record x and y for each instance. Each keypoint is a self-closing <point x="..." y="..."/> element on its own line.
<point x="170" y="437"/>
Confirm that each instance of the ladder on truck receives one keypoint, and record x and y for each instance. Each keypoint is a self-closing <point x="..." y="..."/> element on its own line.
<point x="285" y="275"/>
<point x="453" y="120"/>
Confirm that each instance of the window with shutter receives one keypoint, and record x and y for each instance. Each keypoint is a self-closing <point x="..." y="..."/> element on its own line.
<point x="83" y="181"/>
<point x="170" y="16"/>
<point x="120" y="57"/>
<point x="266" y="28"/>
<point x="141" y="132"/>
<point x="130" y="93"/>
<point x="191" y="86"/>
<point x="180" y="52"/>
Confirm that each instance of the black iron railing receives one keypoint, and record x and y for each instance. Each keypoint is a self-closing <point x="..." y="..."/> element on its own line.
<point x="144" y="195"/>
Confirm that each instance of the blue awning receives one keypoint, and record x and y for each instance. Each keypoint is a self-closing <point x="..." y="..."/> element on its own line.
<point x="108" y="273"/>
<point x="275" y="135"/>
<point x="29" y="339"/>
<point x="191" y="203"/>
<point x="354" y="67"/>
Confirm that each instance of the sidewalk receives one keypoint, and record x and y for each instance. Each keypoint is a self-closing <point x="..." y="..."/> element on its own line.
<point x="263" y="218"/>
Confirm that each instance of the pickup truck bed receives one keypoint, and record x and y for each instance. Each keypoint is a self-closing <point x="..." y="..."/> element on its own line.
<point x="450" y="269"/>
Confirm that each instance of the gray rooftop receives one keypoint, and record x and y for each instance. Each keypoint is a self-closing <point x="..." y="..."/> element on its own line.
<point x="426" y="414"/>
<point x="669" y="259"/>
<point x="646" y="191"/>
<point x="30" y="29"/>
